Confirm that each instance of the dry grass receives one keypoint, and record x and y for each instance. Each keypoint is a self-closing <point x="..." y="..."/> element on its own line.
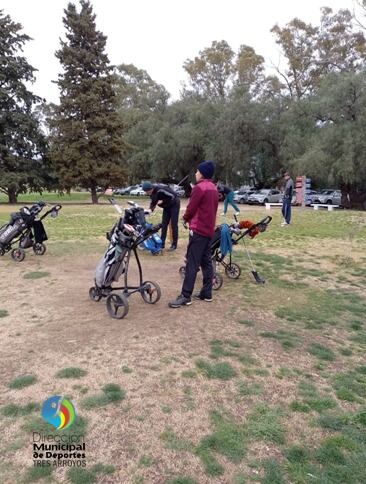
<point x="52" y="325"/>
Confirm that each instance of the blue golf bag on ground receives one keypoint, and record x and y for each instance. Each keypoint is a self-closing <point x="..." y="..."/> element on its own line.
<point x="153" y="244"/>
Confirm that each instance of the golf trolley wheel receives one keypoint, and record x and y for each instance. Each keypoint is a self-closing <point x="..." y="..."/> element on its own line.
<point x="182" y="271"/>
<point x="2" y="252"/>
<point x="217" y="281"/>
<point x="94" y="294"/>
<point x="18" y="254"/>
<point x="233" y="271"/>
<point x="150" y="292"/>
<point x="39" y="249"/>
<point x="117" y="306"/>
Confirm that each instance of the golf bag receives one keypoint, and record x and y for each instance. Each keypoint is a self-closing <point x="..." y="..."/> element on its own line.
<point x="226" y="236"/>
<point x="111" y="266"/>
<point x="136" y="216"/>
<point x="153" y="244"/>
<point x="127" y="234"/>
<point x="23" y="228"/>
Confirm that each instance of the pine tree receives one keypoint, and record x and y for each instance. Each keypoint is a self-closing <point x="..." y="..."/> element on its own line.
<point x="22" y="144"/>
<point x="87" y="147"/>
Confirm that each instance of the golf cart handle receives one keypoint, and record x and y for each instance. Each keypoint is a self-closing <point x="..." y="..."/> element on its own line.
<point x="262" y="225"/>
<point x="265" y="220"/>
<point x="55" y="208"/>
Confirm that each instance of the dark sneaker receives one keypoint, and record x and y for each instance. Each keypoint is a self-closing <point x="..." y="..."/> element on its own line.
<point x="171" y="248"/>
<point x="180" y="301"/>
<point x="199" y="296"/>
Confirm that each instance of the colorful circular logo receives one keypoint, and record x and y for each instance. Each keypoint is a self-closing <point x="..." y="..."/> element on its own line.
<point x="58" y="411"/>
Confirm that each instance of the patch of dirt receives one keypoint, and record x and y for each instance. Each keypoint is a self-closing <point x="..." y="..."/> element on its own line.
<point x="52" y="324"/>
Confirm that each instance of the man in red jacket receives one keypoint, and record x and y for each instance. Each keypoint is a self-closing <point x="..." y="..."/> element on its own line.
<point x="200" y="214"/>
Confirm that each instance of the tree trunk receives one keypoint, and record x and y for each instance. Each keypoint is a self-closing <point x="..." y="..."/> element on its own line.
<point x="94" y="195"/>
<point x="12" y="196"/>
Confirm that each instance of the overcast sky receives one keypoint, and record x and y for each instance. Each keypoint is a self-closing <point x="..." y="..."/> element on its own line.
<point x="159" y="35"/>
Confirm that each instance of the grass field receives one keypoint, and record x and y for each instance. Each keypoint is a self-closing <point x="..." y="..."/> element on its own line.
<point x="266" y="384"/>
<point x="54" y="197"/>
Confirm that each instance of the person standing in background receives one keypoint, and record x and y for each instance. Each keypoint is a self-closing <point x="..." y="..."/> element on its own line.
<point x="287" y="199"/>
<point x="228" y="195"/>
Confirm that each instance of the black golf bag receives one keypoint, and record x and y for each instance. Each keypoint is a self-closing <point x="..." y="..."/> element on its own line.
<point x="24" y="229"/>
<point x="124" y="238"/>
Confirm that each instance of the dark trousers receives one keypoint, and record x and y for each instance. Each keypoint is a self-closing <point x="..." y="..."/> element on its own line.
<point x="198" y="255"/>
<point x="170" y="214"/>
<point x="286" y="209"/>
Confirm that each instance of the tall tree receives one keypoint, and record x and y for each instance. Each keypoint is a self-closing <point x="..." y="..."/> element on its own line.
<point x="336" y="152"/>
<point x="297" y="41"/>
<point x="87" y="143"/>
<point x="340" y="47"/>
<point x="311" y="53"/>
<point x="142" y="103"/>
<point x="211" y="72"/>
<point x="22" y="144"/>
<point x="250" y="69"/>
<point x="136" y="90"/>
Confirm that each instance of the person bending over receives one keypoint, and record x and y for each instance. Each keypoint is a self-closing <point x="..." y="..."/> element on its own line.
<point x="200" y="215"/>
<point x="170" y="203"/>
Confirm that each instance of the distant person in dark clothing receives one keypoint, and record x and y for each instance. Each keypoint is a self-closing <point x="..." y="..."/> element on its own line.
<point x="287" y="199"/>
<point x="168" y="200"/>
<point x="200" y="214"/>
<point x="228" y="196"/>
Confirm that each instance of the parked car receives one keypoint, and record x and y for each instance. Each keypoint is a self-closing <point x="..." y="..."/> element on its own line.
<point x="241" y="196"/>
<point x="178" y="190"/>
<point x="310" y="197"/>
<point x="121" y="191"/>
<point x="329" y="197"/>
<point x="137" y="192"/>
<point x="264" y="196"/>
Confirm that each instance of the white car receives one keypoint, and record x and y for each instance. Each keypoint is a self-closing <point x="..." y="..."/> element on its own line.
<point x="137" y="192"/>
<point x="329" y="197"/>
<point x="264" y="196"/>
<point x="241" y="196"/>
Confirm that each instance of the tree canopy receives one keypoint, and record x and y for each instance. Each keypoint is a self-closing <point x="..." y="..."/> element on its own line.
<point x="115" y="124"/>
<point x="22" y="144"/>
